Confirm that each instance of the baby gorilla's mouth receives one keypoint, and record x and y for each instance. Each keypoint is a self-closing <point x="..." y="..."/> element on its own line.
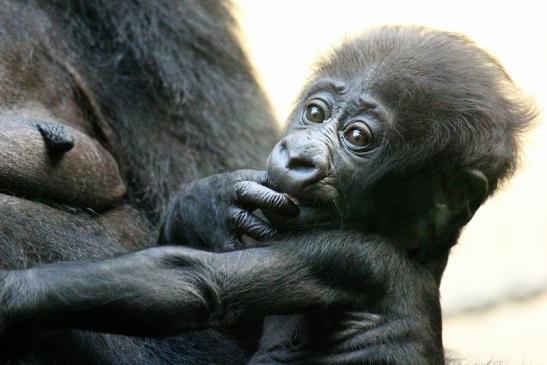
<point x="321" y="194"/>
<point x="317" y="207"/>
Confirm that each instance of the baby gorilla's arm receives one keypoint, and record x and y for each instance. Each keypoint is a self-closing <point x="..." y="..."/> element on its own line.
<point x="50" y="159"/>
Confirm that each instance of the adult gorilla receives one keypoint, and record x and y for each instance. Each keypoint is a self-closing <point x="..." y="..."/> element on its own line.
<point x="162" y="87"/>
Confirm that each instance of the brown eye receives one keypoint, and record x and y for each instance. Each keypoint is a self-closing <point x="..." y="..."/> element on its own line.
<point x="316" y="111"/>
<point x="358" y="136"/>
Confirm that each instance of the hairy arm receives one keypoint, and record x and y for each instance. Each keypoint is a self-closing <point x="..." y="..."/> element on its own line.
<point x="167" y="290"/>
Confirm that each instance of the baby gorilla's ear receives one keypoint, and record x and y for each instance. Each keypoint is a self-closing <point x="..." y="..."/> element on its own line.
<point x="457" y="199"/>
<point x="477" y="188"/>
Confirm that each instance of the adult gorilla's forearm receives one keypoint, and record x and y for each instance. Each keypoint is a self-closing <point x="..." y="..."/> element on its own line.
<point x="167" y="290"/>
<point x="148" y="292"/>
<point x="157" y="291"/>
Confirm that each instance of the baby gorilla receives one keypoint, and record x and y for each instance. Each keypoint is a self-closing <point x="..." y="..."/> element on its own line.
<point x="398" y="138"/>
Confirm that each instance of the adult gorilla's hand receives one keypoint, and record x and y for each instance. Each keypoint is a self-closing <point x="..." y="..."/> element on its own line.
<point x="158" y="291"/>
<point x="215" y="212"/>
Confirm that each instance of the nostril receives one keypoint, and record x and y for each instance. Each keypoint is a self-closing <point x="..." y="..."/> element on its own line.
<point x="299" y="163"/>
<point x="304" y="171"/>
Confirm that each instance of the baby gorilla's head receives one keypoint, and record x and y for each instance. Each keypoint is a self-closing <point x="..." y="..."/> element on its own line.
<point x="398" y="123"/>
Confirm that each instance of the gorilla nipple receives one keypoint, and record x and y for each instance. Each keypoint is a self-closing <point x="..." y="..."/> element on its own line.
<point x="57" y="138"/>
<point x="35" y="163"/>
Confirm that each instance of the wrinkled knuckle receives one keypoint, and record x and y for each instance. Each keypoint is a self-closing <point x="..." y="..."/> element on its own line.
<point x="270" y="231"/>
<point x="266" y="232"/>
<point x="263" y="232"/>
<point x="237" y="217"/>
<point x="275" y="200"/>
<point x="259" y="196"/>
<point x="278" y="200"/>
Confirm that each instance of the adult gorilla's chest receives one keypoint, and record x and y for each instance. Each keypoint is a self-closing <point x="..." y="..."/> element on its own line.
<point x="61" y="206"/>
<point x="33" y="232"/>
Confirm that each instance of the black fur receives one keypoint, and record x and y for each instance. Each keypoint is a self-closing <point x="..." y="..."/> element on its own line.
<point x="168" y="90"/>
<point x="443" y="121"/>
<point x="175" y="83"/>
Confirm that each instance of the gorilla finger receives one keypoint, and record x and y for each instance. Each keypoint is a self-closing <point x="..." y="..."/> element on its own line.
<point x="246" y="223"/>
<point x="253" y="195"/>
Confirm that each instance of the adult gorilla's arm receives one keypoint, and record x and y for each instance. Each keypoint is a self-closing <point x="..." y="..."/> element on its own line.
<point x="166" y="290"/>
<point x="159" y="291"/>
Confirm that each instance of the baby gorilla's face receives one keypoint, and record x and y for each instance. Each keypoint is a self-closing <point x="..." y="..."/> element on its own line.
<point x="330" y="156"/>
<point x="327" y="152"/>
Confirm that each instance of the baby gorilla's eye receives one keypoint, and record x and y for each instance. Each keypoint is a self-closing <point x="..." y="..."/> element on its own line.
<point x="358" y="136"/>
<point x="316" y="111"/>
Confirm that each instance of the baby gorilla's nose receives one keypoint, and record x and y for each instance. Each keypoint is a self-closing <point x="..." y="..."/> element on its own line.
<point x="303" y="168"/>
<point x="296" y="163"/>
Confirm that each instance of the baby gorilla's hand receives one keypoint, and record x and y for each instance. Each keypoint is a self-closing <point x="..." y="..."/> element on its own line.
<point x="252" y="195"/>
<point x="215" y="212"/>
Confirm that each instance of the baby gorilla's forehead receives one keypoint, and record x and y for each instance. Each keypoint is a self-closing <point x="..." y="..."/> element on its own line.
<point x="355" y="92"/>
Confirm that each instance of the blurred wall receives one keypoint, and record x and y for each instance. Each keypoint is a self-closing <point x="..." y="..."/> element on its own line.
<point x="494" y="289"/>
